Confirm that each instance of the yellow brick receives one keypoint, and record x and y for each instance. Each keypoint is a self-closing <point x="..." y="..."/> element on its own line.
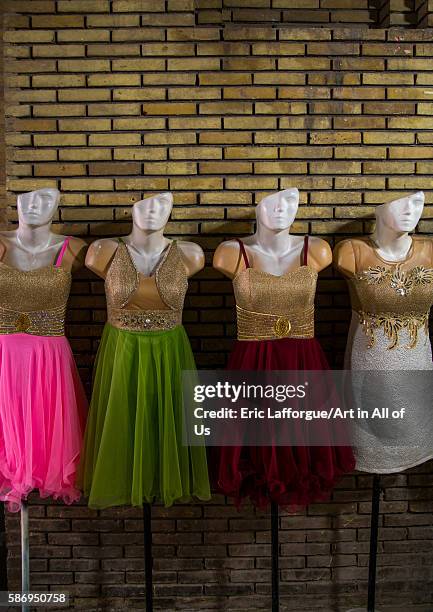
<point x="21" y="185"/>
<point x="413" y="152"/>
<point x="75" y="125"/>
<point x="410" y="182"/>
<point x="225" y="137"/>
<point x="169" y="108"/>
<point x="155" y="153"/>
<point x="87" y="154"/>
<point x="137" y="6"/>
<point x="84" y="65"/>
<point x="167" y="19"/>
<point x="278" y="48"/>
<point x="336" y="137"/>
<point x="250" y="93"/>
<point x="362" y="93"/>
<point x="169" y="138"/>
<point x="337" y="78"/>
<point x="138" y="64"/>
<point x="59" y="80"/>
<point x="416" y="123"/>
<point x="206" y="33"/>
<point x="139" y="123"/>
<point x="280" y="167"/>
<point x="389" y="167"/>
<point x="59" y="140"/>
<point x="58" y="50"/>
<point x="87" y="184"/>
<point x="196" y="152"/>
<point x="410" y="93"/>
<point x="390" y="78"/>
<point x="252" y="182"/>
<point x="389" y="108"/>
<point x="406" y="63"/>
<point x="279" y="78"/>
<point x="196" y="182"/>
<point x="360" y="152"/>
<point x="279" y="138"/>
<point x="112" y="50"/>
<point x="194" y="123"/>
<point x="30" y="36"/>
<point x="116" y="198"/>
<point x="424" y="168"/>
<point x="193" y="63"/>
<point x="138" y="34"/>
<point x="225" y="167"/>
<point x="226" y="197"/>
<point x="109" y="80"/>
<point x="335" y="108"/>
<point x="392" y="49"/>
<point x="34" y="154"/>
<point x="34" y="125"/>
<point x="425" y="108"/>
<point x="360" y="123"/>
<point x="202" y="93"/>
<point x="332" y="48"/>
<point x="221" y="48"/>
<point x="335" y="167"/>
<point x="107" y="110"/>
<point x="388" y="137"/>
<point x="304" y="63"/>
<point x="31" y="66"/>
<point x="30" y="95"/>
<point x="360" y="182"/>
<point x="57" y="21"/>
<point x="60" y="169"/>
<point x="88" y="95"/>
<point x="170" y="167"/>
<point x="58" y="110"/>
<point x="306" y="152"/>
<point x="167" y="48"/>
<point x="142" y="183"/>
<point x="113" y="21"/>
<point x="250" y="123"/>
<point x="303" y="123"/>
<point x="225" y="78"/>
<point x="141" y="93"/>
<point x="83" y="35"/>
<point x="114" y="140"/>
<point x="226" y="107"/>
<point x="83" y="6"/>
<point x="251" y="152"/>
<point x="185" y="78"/>
<point x="358" y="63"/>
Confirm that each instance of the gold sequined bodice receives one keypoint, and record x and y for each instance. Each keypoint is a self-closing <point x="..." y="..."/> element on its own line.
<point x="33" y="301"/>
<point x="138" y="303"/>
<point x="392" y="295"/>
<point x="270" y="307"/>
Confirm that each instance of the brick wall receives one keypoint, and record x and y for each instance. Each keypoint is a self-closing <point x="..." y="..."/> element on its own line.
<point x="113" y="101"/>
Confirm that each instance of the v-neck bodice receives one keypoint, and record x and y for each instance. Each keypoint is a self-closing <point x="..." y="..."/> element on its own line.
<point x="136" y="301"/>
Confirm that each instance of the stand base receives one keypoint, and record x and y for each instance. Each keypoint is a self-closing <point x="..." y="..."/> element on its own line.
<point x="359" y="610"/>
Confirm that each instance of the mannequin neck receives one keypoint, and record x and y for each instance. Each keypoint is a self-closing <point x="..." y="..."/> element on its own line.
<point x="34" y="237"/>
<point x="395" y="243"/>
<point x="273" y="242"/>
<point x="147" y="241"/>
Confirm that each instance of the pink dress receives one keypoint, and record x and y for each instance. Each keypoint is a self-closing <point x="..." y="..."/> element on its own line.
<point x="42" y="402"/>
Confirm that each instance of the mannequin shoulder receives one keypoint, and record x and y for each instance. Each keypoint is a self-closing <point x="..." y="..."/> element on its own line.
<point x="319" y="253"/>
<point x="192" y="256"/>
<point x="100" y="254"/>
<point x="344" y="256"/>
<point x="226" y="258"/>
<point x="77" y="248"/>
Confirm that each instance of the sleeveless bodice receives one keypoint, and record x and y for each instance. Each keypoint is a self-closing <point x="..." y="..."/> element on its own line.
<point x="392" y="295"/>
<point x="136" y="302"/>
<point x="34" y="301"/>
<point x="271" y="307"/>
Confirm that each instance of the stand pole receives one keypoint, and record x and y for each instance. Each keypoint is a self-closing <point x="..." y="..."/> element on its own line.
<point x="25" y="565"/>
<point x="148" y="561"/>
<point x="375" y="500"/>
<point x="274" y="558"/>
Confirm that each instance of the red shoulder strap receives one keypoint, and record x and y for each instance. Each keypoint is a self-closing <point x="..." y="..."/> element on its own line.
<point x="305" y="250"/>
<point x="58" y="262"/>
<point x="244" y="253"/>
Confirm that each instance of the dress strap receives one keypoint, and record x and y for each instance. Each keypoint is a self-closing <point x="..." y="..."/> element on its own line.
<point x="59" y="259"/>
<point x="244" y="253"/>
<point x="305" y="251"/>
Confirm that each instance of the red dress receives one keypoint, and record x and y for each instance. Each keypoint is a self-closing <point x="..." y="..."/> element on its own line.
<point x="292" y="476"/>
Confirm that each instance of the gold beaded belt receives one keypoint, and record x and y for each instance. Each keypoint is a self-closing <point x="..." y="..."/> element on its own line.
<point x="37" y="322"/>
<point x="263" y="326"/>
<point x="392" y="323"/>
<point x="144" y="320"/>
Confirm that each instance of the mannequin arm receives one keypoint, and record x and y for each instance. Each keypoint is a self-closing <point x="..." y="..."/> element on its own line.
<point x="319" y="253"/>
<point x="227" y="258"/>
<point x="192" y="256"/>
<point x="99" y="255"/>
<point x="344" y="258"/>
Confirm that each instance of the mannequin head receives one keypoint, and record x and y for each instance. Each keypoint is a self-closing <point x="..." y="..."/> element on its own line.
<point x="277" y="211"/>
<point x="401" y="215"/>
<point x="153" y="213"/>
<point x="37" y="208"/>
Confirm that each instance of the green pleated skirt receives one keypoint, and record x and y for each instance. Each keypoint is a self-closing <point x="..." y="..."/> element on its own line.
<point x="133" y="451"/>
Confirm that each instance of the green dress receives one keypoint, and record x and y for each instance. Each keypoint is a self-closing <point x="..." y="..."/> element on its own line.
<point x="133" y="451"/>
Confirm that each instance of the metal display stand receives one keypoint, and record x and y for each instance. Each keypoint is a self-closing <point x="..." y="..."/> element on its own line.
<point x="25" y="556"/>
<point x="274" y="558"/>
<point x="148" y="560"/>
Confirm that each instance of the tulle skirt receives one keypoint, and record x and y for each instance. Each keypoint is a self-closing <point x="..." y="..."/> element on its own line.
<point x="42" y="417"/>
<point x="292" y="476"/>
<point x="133" y="451"/>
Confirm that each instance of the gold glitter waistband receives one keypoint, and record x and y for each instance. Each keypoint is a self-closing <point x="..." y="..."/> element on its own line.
<point x="37" y="322"/>
<point x="144" y="320"/>
<point x="392" y="323"/>
<point x="263" y="326"/>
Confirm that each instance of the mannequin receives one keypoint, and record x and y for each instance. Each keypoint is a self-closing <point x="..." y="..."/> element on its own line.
<point x="390" y="275"/>
<point x="272" y="247"/>
<point x="33" y="244"/>
<point x="41" y="424"/>
<point x="146" y="279"/>
<point x="146" y="242"/>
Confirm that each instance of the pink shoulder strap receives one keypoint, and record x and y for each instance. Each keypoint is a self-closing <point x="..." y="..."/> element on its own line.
<point x="58" y="262"/>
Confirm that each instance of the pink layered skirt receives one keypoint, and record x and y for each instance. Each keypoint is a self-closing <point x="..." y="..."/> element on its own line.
<point x="42" y="416"/>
